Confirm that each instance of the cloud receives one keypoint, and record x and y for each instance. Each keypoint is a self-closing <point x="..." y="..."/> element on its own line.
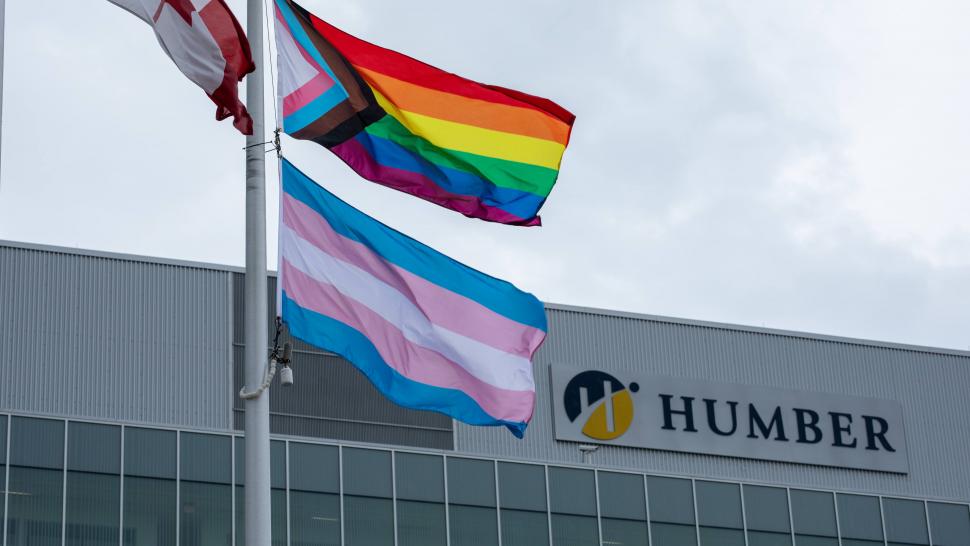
<point x="763" y="163"/>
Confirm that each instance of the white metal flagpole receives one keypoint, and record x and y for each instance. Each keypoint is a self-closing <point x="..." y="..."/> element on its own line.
<point x="3" y="39"/>
<point x="257" y="498"/>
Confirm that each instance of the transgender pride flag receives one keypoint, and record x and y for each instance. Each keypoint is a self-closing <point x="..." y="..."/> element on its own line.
<point x="429" y="332"/>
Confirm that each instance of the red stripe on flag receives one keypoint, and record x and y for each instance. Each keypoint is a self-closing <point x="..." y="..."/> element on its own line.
<point x="234" y="45"/>
<point x="403" y="67"/>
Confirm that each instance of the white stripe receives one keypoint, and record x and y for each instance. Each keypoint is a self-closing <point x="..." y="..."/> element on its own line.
<point x="491" y="365"/>
<point x="193" y="48"/>
<point x="295" y="71"/>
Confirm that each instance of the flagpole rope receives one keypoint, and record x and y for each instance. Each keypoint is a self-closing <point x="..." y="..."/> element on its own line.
<point x="271" y="61"/>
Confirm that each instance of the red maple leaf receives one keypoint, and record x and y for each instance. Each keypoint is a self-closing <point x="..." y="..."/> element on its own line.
<point x="183" y="7"/>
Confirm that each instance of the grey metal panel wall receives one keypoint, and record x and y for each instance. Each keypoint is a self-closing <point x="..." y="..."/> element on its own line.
<point x="114" y="338"/>
<point x="933" y="388"/>
<point x="332" y="399"/>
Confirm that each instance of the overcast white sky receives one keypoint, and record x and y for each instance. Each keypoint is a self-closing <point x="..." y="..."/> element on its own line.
<point x="797" y="165"/>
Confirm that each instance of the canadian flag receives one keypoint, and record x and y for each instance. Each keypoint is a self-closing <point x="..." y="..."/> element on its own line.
<point x="208" y="46"/>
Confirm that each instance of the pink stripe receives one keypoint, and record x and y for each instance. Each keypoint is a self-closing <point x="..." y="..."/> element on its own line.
<point x="442" y="307"/>
<point x="353" y="153"/>
<point x="410" y="360"/>
<point x="307" y="93"/>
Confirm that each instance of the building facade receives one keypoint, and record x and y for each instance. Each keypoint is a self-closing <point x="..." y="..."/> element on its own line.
<point x="119" y="424"/>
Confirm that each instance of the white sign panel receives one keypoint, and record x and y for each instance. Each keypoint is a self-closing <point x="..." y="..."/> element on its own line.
<point x="638" y="410"/>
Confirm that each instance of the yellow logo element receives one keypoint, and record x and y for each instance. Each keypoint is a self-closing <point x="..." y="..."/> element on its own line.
<point x="604" y="403"/>
<point x="603" y="426"/>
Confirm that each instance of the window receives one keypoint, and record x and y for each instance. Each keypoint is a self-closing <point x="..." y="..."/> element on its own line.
<point x="420" y="500"/>
<point x="572" y="500"/>
<point x="859" y="520"/>
<point x="671" y="511"/>
<point x="205" y="489"/>
<point x="950" y="524"/>
<point x="36" y="482"/>
<point x="471" y="502"/>
<point x="905" y="522"/>
<point x="367" y="497"/>
<point x="766" y="510"/>
<point x="623" y="509"/>
<point x="314" y="494"/>
<point x="813" y="515"/>
<point x="719" y="514"/>
<point x="277" y="458"/>
<point x="93" y="505"/>
<point x="522" y="500"/>
<point x="150" y="504"/>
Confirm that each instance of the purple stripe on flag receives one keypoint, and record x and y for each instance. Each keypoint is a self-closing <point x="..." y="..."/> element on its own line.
<point x="442" y="307"/>
<point x="354" y="154"/>
<point x="398" y="352"/>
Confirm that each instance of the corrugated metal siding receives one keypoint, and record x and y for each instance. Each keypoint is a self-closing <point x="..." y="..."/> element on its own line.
<point x="111" y="338"/>
<point x="331" y="398"/>
<point x="933" y="388"/>
<point x="138" y="340"/>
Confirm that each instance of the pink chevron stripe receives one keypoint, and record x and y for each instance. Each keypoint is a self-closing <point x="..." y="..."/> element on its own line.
<point x="355" y="155"/>
<point x="398" y="352"/>
<point x="442" y="307"/>
<point x="307" y="93"/>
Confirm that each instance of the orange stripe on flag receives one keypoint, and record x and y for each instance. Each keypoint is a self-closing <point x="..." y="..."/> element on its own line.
<point x="446" y="106"/>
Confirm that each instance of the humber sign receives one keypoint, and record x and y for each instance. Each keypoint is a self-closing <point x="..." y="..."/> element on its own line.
<point x="674" y="414"/>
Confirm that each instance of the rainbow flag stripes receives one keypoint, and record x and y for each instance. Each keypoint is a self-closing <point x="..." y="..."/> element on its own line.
<point x="430" y="333"/>
<point x="482" y="150"/>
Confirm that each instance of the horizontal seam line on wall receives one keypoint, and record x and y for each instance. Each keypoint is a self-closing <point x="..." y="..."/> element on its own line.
<point x="354" y="421"/>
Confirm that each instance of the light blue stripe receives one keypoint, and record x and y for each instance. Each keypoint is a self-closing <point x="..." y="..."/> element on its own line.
<point x="296" y="30"/>
<point x="332" y="335"/>
<point x="495" y="294"/>
<point x="314" y="110"/>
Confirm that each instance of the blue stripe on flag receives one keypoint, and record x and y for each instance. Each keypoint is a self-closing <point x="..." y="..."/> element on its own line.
<point x="332" y="335"/>
<point x="495" y="294"/>
<point x="391" y="154"/>
<point x="314" y="110"/>
<point x="300" y="35"/>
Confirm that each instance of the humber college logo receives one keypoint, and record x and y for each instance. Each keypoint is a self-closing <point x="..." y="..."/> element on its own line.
<point x="602" y="402"/>
<point x="633" y="409"/>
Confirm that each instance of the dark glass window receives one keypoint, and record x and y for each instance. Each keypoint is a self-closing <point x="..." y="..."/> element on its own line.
<point x="572" y="503"/>
<point x="93" y="505"/>
<point x="277" y="457"/>
<point x="314" y="494"/>
<point x="367" y="497"/>
<point x="35" y="489"/>
<point x="719" y="514"/>
<point x="420" y="500"/>
<point x="671" y="511"/>
<point x="623" y="509"/>
<point x="150" y="504"/>
<point x="859" y="520"/>
<point x="905" y="522"/>
<point x="950" y="524"/>
<point x="205" y="489"/>
<point x="813" y="515"/>
<point x="766" y="510"/>
<point x="522" y="501"/>
<point x="471" y="502"/>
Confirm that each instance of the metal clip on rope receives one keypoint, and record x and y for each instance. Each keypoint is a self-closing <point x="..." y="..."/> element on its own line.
<point x="274" y="357"/>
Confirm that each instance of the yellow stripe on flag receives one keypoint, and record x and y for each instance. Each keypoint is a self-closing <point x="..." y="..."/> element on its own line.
<point x="476" y="140"/>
